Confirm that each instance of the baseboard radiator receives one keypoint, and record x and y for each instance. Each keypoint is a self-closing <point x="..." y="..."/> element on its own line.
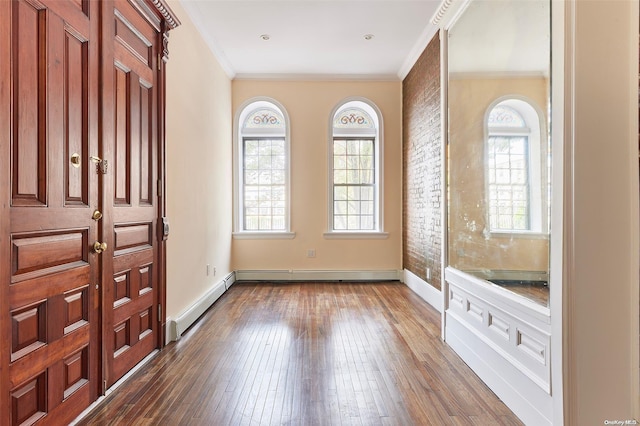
<point x="177" y="326"/>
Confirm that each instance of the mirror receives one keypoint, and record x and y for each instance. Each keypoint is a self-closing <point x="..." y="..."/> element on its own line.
<point x="498" y="144"/>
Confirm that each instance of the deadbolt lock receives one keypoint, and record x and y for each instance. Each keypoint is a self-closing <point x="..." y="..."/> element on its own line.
<point x="97" y="215"/>
<point x="99" y="247"/>
<point x="101" y="165"/>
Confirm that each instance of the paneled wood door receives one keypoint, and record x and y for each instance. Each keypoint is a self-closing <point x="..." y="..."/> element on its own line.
<point x="130" y="136"/>
<point x="81" y="262"/>
<point x="49" y="123"/>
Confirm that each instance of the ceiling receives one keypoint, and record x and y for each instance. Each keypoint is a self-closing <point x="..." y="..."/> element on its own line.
<point x="315" y="39"/>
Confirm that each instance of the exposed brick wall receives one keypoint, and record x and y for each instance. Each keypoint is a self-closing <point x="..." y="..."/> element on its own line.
<point x="422" y="208"/>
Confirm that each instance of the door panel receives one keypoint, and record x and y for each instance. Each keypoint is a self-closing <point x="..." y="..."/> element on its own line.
<point x="53" y="360"/>
<point x="131" y="302"/>
<point x="73" y="316"/>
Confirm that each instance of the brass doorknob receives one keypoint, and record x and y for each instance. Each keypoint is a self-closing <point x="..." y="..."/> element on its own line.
<point x="97" y="215"/>
<point x="99" y="247"/>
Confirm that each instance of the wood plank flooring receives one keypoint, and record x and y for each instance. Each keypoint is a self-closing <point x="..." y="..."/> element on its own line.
<point x="308" y="354"/>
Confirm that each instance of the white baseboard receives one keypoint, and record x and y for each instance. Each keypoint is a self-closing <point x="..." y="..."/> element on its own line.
<point x="176" y="327"/>
<point x="525" y="398"/>
<point x="426" y="291"/>
<point x="323" y="275"/>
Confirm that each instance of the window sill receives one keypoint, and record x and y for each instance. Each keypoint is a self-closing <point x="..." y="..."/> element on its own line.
<point x="356" y="235"/>
<point x="267" y="235"/>
<point x="533" y="235"/>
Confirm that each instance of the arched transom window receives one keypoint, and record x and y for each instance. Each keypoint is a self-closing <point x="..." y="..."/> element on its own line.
<point x="262" y="164"/>
<point x="355" y="169"/>
<point x="514" y="174"/>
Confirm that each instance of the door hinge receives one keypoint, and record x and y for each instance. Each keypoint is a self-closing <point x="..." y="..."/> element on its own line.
<point x="159" y="62"/>
<point x="159" y="188"/>
<point x="104" y="387"/>
<point x="159" y="313"/>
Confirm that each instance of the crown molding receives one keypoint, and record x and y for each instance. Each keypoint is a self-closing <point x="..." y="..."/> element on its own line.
<point x="442" y="10"/>
<point x="318" y="77"/>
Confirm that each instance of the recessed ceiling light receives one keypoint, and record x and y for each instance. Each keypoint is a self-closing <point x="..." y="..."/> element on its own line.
<point x="368" y="36"/>
<point x="265" y="37"/>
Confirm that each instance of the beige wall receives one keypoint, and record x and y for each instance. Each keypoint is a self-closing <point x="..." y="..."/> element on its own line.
<point x="309" y="105"/>
<point x="471" y="246"/>
<point x="198" y="133"/>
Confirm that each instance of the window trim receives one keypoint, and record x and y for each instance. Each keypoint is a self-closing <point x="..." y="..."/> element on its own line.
<point x="537" y="167"/>
<point x="238" y="140"/>
<point x="374" y="111"/>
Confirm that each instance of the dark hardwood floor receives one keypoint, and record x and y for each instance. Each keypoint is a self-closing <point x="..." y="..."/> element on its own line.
<point x="308" y="354"/>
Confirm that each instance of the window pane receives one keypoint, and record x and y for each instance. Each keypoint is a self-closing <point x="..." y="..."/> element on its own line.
<point x="353" y="208"/>
<point x="353" y="162"/>
<point x="265" y="162"/>
<point x="366" y="147"/>
<point x="265" y="222"/>
<point x="278" y="194"/>
<point x="339" y="162"/>
<point x="367" y="222"/>
<point x="353" y="222"/>
<point x="252" y="223"/>
<point x="277" y="148"/>
<point x="340" y="222"/>
<point x="353" y="176"/>
<point x="518" y="176"/>
<point x="367" y="208"/>
<point x="264" y="190"/>
<point x="265" y="177"/>
<point x="368" y="177"/>
<point x="251" y="147"/>
<point x="502" y="176"/>
<point x="517" y="146"/>
<point x="366" y="162"/>
<point x="353" y="193"/>
<point x="354" y="181"/>
<point x="278" y="222"/>
<point x="502" y="161"/>
<point x="508" y="182"/>
<point x="251" y="162"/>
<point x="278" y="177"/>
<point x="250" y="177"/>
<point x="278" y="162"/>
<point x="353" y="147"/>
<point x="367" y="192"/>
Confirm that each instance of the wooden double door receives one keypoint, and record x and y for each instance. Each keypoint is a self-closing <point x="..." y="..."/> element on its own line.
<point x="82" y="261"/>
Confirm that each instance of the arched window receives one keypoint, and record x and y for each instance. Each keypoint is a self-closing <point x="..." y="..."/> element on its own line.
<point x="262" y="169"/>
<point x="515" y="154"/>
<point x="355" y="164"/>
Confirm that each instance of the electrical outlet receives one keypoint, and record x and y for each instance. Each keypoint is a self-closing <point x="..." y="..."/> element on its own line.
<point x="214" y="271"/>
<point x="209" y="269"/>
<point x="311" y="253"/>
<point x="428" y="274"/>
